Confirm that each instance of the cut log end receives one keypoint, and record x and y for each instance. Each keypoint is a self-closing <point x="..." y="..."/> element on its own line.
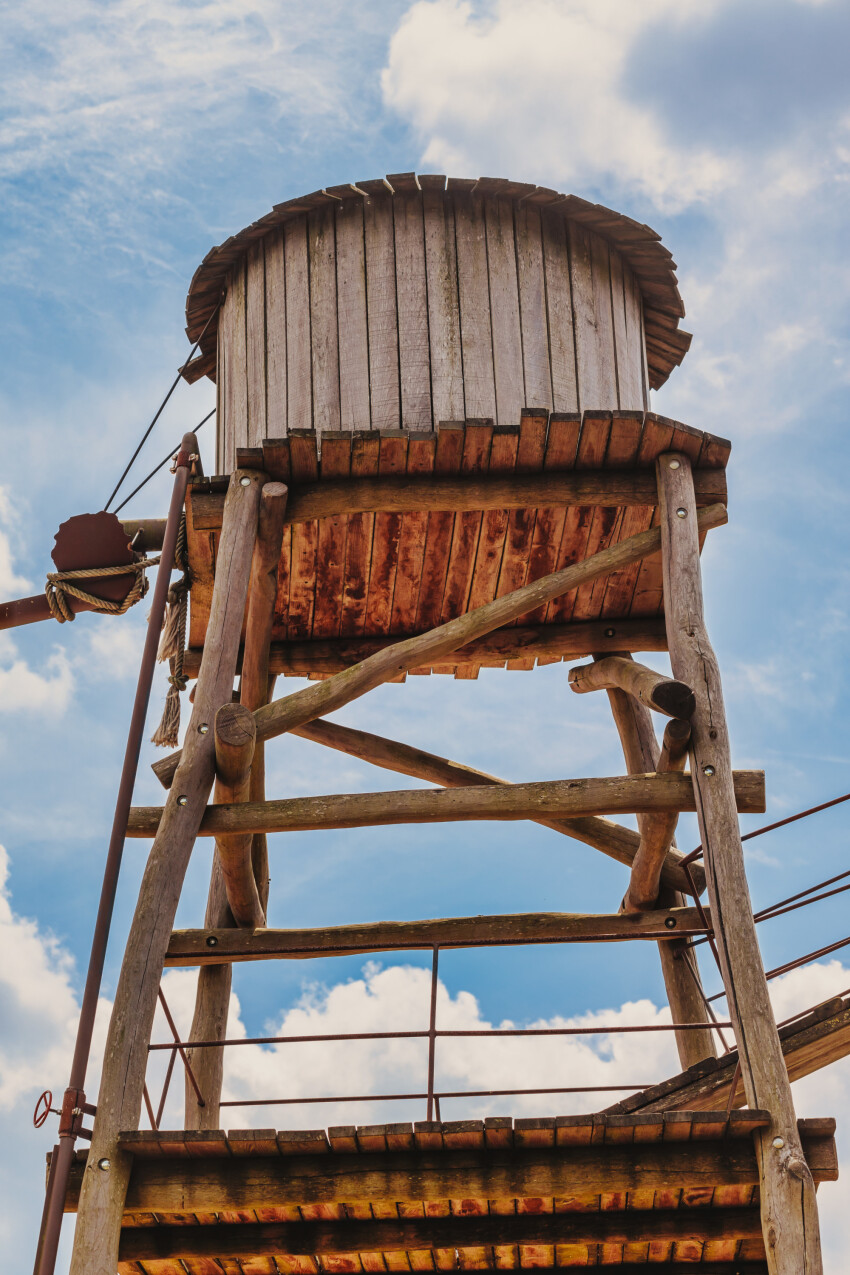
<point x="676" y="699"/>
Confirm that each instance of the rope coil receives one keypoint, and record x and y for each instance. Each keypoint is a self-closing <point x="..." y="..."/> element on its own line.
<point x="59" y="588"/>
<point x="172" y="645"/>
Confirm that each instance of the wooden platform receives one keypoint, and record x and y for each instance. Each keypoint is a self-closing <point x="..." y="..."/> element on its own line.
<point x="622" y="1190"/>
<point x="391" y="533"/>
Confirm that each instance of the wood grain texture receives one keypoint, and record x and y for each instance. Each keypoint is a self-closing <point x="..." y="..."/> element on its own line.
<point x="299" y="359"/>
<point x="354" y="393"/>
<point x="120" y="1097"/>
<point x="276" y="388"/>
<point x="384" y="389"/>
<point x="474" y="293"/>
<point x="255" y="334"/>
<point x="447" y="390"/>
<point x="560" y="315"/>
<point x="557" y="799"/>
<point x="324" y="331"/>
<point x="788" y="1204"/>
<point x="531" y="277"/>
<point x="413" y="342"/>
<point x="509" y="374"/>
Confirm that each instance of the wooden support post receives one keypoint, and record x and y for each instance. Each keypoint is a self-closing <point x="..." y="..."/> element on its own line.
<point x="788" y="1204"/>
<point x="234" y="751"/>
<point x="657" y="831"/>
<point x="122" y="1080"/>
<point x="640" y="749"/>
<point x="324" y="697"/>
<point x="653" y="689"/>
<point x="212" y="998"/>
<point x="604" y="835"/>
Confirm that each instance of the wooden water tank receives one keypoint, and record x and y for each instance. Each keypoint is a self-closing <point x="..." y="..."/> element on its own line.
<point x="402" y="302"/>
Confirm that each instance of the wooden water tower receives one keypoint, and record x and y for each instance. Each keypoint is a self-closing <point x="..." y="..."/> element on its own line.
<point x="436" y="455"/>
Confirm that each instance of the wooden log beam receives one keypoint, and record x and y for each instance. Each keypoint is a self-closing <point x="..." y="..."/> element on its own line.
<point x="640" y="748"/>
<point x="324" y="697"/>
<point x="213" y="947"/>
<point x="658" y="830"/>
<point x="308" y="1239"/>
<point x="620" y="794"/>
<point x="664" y="694"/>
<point x="788" y="1204"/>
<point x="212" y="997"/>
<point x="610" y="838"/>
<point x="815" y="1041"/>
<point x="235" y="732"/>
<point x="542" y="641"/>
<point x="411" y="493"/>
<point x="199" y="1184"/>
<point x="120" y="1098"/>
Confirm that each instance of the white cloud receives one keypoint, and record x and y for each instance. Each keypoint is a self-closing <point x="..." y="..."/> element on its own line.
<point x="531" y="89"/>
<point x="115" y="647"/>
<point x="11" y="583"/>
<point x="23" y="689"/>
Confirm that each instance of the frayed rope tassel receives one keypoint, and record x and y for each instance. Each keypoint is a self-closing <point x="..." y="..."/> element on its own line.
<point x="171" y="647"/>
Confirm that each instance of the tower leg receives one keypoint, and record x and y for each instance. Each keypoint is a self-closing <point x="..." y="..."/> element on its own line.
<point x="119" y="1101"/>
<point x="788" y="1205"/>
<point x="641" y="751"/>
<point x="212" y="997"/>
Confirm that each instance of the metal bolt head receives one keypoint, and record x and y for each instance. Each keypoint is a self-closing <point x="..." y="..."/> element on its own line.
<point x="779" y="1143"/>
<point x="610" y="632"/>
<point x="212" y="941"/>
<point x="245" y="482"/>
<point x="681" y="513"/>
<point x="708" y="770"/>
<point x="670" y="922"/>
<point x="182" y="800"/>
<point x="103" y="1164"/>
<point x="674" y="464"/>
<point x="203" y="729"/>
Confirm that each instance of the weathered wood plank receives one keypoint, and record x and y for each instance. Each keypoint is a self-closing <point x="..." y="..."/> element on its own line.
<point x="392" y="460"/>
<point x="276" y="388"/>
<point x="559" y="307"/>
<point x="332" y="538"/>
<point x="450" y="440"/>
<point x="511" y="395"/>
<point x="534" y="325"/>
<point x="620" y="794"/>
<point x="421" y="454"/>
<point x="467" y="525"/>
<point x="494" y="523"/>
<point x="521" y="490"/>
<point x="157" y="1242"/>
<point x="255" y="330"/>
<point x="413" y="345"/>
<point x="236" y="407"/>
<point x="324" y="322"/>
<point x="354" y="394"/>
<point x="365" y="448"/>
<point x="443" y="308"/>
<point x="474" y="296"/>
<point x="788" y="1204"/>
<point x="385" y="394"/>
<point x="258" y="1181"/>
<point x="299" y="370"/>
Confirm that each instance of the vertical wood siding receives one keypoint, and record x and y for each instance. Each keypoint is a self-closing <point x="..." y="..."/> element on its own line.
<point x="385" y="311"/>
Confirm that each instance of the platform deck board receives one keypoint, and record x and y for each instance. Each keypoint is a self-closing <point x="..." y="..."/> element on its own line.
<point x="618" y="1189"/>
<point x="379" y="574"/>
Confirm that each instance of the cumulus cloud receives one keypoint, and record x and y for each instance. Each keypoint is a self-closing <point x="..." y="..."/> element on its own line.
<point x="531" y="87"/>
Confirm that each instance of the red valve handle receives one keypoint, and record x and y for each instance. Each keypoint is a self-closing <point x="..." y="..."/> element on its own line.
<point x="43" y="1108"/>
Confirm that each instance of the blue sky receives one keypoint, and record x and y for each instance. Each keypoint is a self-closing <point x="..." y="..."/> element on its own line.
<point x="135" y="137"/>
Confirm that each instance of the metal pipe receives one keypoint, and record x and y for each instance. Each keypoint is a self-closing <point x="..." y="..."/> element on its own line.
<point x="432" y="1033"/>
<point x="57" y="1186"/>
<point x="417" y="1097"/>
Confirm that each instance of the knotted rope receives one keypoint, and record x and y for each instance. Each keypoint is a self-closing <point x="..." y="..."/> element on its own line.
<point x="172" y="645"/>
<point x="59" y="588"/>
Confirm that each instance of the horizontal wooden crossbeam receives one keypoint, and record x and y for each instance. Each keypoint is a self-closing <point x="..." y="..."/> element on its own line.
<point x="220" y="947"/>
<point x="247" y="1240"/>
<point x="621" y="794"/>
<point x="200" y="1184"/>
<point x="325" y="697"/>
<point x="410" y="493"/>
<point x="534" y="641"/>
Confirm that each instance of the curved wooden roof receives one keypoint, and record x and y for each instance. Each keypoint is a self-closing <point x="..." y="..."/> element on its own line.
<point x="639" y="245"/>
